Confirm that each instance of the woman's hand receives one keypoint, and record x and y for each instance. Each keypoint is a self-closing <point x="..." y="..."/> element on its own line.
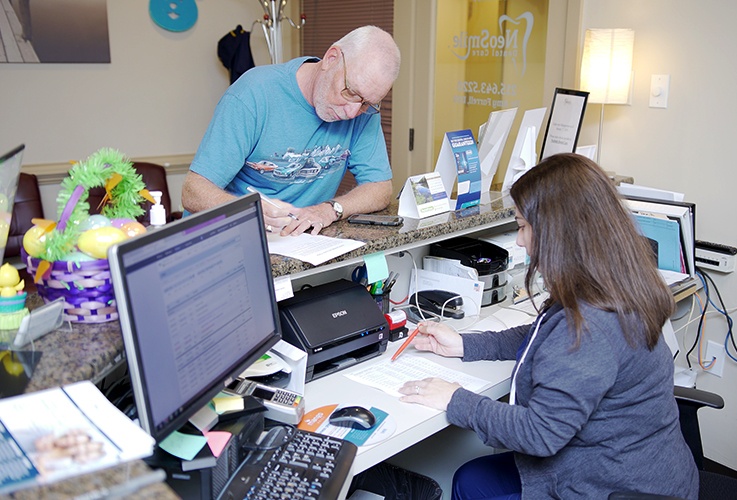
<point x="438" y="338"/>
<point x="432" y="392"/>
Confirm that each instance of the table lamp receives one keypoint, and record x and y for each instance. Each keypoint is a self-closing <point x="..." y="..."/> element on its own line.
<point x="606" y="69"/>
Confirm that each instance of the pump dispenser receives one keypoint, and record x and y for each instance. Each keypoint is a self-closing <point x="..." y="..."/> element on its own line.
<point x="157" y="215"/>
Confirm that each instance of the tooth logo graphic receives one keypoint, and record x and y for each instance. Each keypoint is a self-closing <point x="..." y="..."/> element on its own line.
<point x="527" y="16"/>
<point x="503" y="45"/>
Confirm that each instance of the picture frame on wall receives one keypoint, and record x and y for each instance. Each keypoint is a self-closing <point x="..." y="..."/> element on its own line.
<point x="564" y="122"/>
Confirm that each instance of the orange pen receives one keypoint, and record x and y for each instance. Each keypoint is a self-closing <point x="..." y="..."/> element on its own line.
<point x="406" y="343"/>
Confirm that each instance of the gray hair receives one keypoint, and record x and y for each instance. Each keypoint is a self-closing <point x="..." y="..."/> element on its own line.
<point x="373" y="42"/>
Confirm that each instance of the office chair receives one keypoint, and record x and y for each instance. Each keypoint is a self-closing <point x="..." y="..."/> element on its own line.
<point x="27" y="206"/>
<point x="154" y="177"/>
<point x="712" y="486"/>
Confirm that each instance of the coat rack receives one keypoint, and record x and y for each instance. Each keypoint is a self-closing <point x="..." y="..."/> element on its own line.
<point x="271" y="25"/>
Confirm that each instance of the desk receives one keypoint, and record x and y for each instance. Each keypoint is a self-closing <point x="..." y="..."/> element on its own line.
<point x="414" y="422"/>
<point x="92" y="351"/>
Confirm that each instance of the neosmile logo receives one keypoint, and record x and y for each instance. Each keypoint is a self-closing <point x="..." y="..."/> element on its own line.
<point x="527" y="16"/>
<point x="506" y="44"/>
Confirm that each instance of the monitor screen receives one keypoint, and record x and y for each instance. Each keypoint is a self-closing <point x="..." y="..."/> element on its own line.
<point x="197" y="307"/>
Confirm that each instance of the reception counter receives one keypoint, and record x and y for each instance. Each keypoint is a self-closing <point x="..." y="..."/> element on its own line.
<point x="96" y="352"/>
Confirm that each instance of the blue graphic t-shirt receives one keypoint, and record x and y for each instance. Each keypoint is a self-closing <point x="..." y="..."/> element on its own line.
<point x="266" y="135"/>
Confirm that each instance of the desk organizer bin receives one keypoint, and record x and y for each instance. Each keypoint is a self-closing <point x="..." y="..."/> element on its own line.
<point x="489" y="260"/>
<point x="85" y="287"/>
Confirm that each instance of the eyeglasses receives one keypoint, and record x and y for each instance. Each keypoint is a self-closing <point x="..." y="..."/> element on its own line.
<point x="350" y="95"/>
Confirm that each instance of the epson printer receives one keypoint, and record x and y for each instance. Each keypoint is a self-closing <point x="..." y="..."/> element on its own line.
<point x="337" y="324"/>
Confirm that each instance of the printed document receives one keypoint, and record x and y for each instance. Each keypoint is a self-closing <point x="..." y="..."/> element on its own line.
<point x="312" y="248"/>
<point x="389" y="376"/>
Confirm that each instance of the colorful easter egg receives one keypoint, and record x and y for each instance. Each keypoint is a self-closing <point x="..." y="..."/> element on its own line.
<point x="93" y="222"/>
<point x="34" y="241"/>
<point x="95" y="242"/>
<point x="120" y="222"/>
<point x="133" y="228"/>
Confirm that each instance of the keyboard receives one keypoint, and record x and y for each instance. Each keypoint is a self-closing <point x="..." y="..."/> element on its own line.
<point x="292" y="464"/>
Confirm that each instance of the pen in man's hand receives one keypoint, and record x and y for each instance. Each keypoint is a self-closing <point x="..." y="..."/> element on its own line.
<point x="268" y="200"/>
<point x="406" y="343"/>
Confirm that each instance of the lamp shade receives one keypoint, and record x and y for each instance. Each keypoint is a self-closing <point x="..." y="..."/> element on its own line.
<point x="606" y="67"/>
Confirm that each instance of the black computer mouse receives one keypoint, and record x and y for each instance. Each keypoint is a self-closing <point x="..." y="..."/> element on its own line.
<point x="353" y="416"/>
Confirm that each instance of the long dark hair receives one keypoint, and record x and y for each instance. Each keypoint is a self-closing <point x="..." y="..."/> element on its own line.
<point x="587" y="247"/>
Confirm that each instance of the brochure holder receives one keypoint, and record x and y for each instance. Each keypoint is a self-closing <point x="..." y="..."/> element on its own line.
<point x="459" y="159"/>
<point x="523" y="155"/>
<point x="422" y="196"/>
<point x="492" y="137"/>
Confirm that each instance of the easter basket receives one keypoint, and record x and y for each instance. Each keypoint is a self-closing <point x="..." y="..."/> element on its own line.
<point x="85" y="287"/>
<point x="68" y="258"/>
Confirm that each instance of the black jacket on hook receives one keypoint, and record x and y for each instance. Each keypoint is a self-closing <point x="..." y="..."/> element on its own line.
<point x="234" y="51"/>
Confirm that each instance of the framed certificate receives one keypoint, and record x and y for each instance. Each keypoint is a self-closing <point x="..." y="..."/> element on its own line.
<point x="564" y="123"/>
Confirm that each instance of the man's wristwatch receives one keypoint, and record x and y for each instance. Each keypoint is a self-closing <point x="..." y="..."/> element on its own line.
<point x="337" y="207"/>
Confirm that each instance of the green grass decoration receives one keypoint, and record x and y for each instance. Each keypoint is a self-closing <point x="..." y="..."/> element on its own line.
<point x="125" y="198"/>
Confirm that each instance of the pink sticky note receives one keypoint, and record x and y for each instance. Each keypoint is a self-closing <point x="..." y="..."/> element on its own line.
<point x="217" y="440"/>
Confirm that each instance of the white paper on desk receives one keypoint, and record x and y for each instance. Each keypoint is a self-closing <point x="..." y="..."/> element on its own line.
<point x="452" y="267"/>
<point x="672" y="277"/>
<point x="312" y="248"/>
<point x="472" y="292"/>
<point x="502" y="319"/>
<point x="389" y="376"/>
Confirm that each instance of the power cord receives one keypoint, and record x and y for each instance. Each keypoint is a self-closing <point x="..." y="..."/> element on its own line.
<point x="703" y="276"/>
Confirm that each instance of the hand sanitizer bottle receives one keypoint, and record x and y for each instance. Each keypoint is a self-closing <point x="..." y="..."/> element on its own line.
<point x="157" y="215"/>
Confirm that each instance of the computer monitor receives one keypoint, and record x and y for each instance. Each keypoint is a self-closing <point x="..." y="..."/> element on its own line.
<point x="10" y="164"/>
<point x="197" y="307"/>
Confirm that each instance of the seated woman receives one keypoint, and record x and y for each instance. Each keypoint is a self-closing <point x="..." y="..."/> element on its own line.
<point x="591" y="408"/>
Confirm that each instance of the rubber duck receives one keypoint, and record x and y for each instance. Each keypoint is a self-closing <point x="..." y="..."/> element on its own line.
<point x="10" y="281"/>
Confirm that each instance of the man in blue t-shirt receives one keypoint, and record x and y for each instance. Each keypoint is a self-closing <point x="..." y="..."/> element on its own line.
<point x="290" y="131"/>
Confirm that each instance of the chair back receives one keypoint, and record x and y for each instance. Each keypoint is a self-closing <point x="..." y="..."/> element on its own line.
<point x="154" y="177"/>
<point x="26" y="207"/>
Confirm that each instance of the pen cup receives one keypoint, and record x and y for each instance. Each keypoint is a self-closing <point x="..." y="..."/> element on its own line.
<point x="382" y="300"/>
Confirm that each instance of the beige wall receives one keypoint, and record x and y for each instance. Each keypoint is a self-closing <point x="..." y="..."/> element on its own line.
<point x="154" y="100"/>
<point x="686" y="147"/>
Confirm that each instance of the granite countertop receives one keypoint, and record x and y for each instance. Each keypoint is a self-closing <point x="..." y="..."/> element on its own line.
<point x="380" y="238"/>
<point x="100" y="484"/>
<point x="87" y="352"/>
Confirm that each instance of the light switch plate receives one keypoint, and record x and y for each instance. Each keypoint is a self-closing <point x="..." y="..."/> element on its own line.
<point x="659" y="89"/>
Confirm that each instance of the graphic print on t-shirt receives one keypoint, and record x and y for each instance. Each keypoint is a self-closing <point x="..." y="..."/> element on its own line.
<point x="292" y="167"/>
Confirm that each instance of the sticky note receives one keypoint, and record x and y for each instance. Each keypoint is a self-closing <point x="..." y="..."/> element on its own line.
<point x="184" y="446"/>
<point x="217" y="440"/>
<point x="227" y="403"/>
<point x="376" y="267"/>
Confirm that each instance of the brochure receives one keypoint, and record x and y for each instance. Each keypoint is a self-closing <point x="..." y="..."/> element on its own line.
<point x="55" y="434"/>
<point x="423" y="196"/>
<point x="459" y="159"/>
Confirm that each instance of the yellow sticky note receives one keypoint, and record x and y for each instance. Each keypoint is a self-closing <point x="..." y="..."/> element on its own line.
<point x="376" y="267"/>
<point x="227" y="403"/>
